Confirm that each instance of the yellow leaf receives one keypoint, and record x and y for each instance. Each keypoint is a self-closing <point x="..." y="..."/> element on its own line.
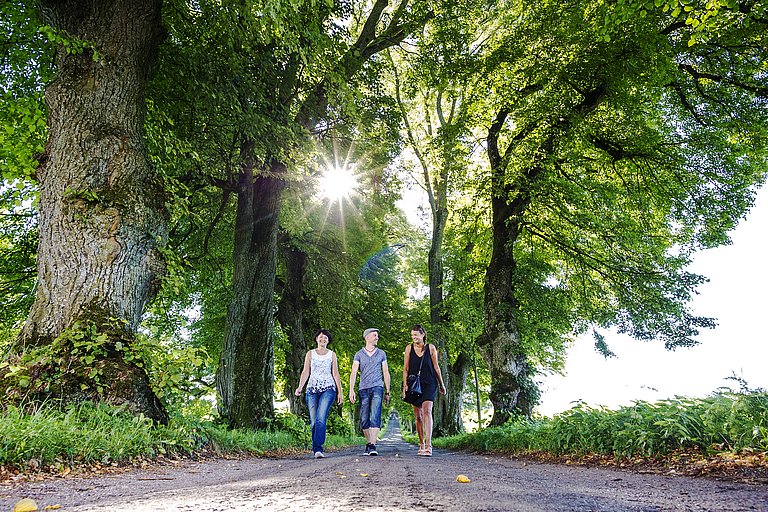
<point x="363" y="474"/>
<point x="342" y="476"/>
<point x="463" y="479"/>
<point x="25" y="505"/>
<point x="52" y="507"/>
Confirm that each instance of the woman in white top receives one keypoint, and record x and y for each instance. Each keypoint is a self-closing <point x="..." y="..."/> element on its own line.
<point x="321" y="375"/>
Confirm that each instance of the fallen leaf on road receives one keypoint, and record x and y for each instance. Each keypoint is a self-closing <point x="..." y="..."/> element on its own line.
<point x="463" y="479"/>
<point x="363" y="474"/>
<point x="339" y="473"/>
<point x="25" y="505"/>
<point x="52" y="507"/>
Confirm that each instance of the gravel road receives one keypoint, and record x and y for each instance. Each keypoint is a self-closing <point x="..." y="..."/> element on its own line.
<point x="395" y="480"/>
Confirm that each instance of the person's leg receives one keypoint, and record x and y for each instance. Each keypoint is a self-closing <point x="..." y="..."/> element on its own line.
<point x="365" y="414"/>
<point x="312" y="401"/>
<point x="377" y="394"/>
<point x="324" y="403"/>
<point x="419" y="427"/>
<point x="426" y="414"/>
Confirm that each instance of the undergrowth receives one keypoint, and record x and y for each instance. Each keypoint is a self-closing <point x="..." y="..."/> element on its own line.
<point x="725" y="421"/>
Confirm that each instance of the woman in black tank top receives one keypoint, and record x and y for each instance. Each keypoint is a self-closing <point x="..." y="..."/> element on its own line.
<point x="420" y="355"/>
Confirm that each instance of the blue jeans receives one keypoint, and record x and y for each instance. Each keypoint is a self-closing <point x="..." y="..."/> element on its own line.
<point x="319" y="405"/>
<point x="370" y="407"/>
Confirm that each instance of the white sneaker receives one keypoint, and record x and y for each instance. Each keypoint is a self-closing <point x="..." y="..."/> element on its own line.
<point x="319" y="455"/>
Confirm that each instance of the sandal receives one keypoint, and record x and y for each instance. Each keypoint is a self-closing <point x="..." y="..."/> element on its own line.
<point x="422" y="450"/>
<point x="428" y="451"/>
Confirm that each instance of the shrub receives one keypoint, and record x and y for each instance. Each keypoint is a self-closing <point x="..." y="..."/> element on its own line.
<point x="338" y="425"/>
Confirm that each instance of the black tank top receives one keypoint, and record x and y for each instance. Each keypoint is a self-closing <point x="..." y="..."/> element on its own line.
<point x="428" y="376"/>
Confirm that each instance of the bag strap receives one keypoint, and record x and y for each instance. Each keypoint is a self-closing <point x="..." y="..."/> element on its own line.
<point x="426" y="347"/>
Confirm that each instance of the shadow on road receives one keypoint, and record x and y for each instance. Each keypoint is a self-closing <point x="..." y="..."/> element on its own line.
<point x="390" y="443"/>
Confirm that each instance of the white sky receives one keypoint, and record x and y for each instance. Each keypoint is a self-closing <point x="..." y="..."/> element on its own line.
<point x="735" y="296"/>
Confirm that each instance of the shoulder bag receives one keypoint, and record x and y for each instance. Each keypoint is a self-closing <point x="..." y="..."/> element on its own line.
<point x="413" y="391"/>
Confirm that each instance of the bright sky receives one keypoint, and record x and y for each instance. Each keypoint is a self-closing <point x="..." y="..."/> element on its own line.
<point x="735" y="296"/>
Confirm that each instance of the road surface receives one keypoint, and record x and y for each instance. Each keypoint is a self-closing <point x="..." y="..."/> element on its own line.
<point x="397" y="479"/>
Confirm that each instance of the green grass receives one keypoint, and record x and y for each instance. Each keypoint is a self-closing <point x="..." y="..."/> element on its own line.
<point x="722" y="422"/>
<point x="87" y="433"/>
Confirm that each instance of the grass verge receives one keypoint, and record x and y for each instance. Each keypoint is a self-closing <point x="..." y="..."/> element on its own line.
<point x="52" y="440"/>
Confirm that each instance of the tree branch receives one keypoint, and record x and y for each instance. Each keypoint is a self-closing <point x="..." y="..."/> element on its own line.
<point x="367" y="45"/>
<point x="761" y="92"/>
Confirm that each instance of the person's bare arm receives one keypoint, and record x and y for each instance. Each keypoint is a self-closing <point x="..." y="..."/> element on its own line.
<point x="387" y="380"/>
<point x="436" y="366"/>
<point x="304" y="374"/>
<point x="352" y="379"/>
<point x="406" y="361"/>
<point x="337" y="379"/>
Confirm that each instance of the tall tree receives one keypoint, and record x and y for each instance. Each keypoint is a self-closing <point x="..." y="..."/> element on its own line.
<point x="435" y="140"/>
<point x="102" y="220"/>
<point x="610" y="163"/>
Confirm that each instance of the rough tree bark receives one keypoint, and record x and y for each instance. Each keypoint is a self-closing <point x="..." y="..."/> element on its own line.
<point x="245" y="376"/>
<point x="512" y="390"/>
<point x="449" y="409"/>
<point x="101" y="206"/>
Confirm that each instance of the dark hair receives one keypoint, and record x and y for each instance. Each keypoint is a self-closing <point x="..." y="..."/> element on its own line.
<point x="323" y="331"/>
<point x="419" y="328"/>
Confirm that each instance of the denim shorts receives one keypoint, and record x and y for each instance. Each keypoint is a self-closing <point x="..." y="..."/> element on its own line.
<point x="370" y="407"/>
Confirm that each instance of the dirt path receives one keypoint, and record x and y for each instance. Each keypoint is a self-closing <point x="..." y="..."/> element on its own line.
<point x="395" y="480"/>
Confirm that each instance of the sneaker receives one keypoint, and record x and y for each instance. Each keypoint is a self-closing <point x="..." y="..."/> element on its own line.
<point x="319" y="455"/>
<point x="368" y="449"/>
<point x="373" y="451"/>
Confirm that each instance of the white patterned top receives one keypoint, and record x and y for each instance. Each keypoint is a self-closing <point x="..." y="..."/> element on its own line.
<point x="320" y="376"/>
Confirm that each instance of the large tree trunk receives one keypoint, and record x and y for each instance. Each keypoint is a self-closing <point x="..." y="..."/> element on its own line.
<point x="245" y="377"/>
<point x="290" y="313"/>
<point x="101" y="206"/>
<point x="449" y="409"/>
<point x="513" y="392"/>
